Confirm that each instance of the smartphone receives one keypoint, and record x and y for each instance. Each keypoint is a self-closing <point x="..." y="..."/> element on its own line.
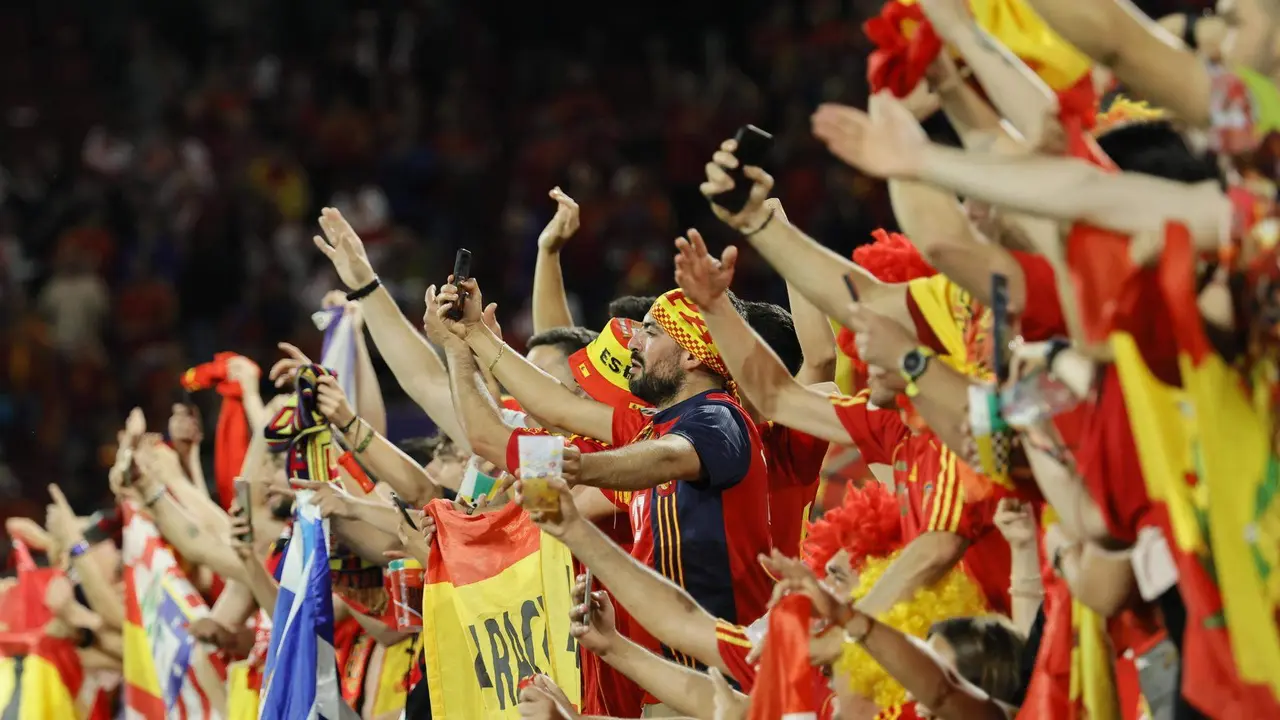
<point x="753" y="150"/>
<point x="461" y="271"/>
<point x="244" y="500"/>
<point x="404" y="513"/>
<point x="999" y="327"/>
<point x="587" y="597"/>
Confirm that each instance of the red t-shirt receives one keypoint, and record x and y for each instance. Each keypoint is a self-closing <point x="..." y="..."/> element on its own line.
<point x="1041" y="316"/>
<point x="795" y="462"/>
<point x="932" y="496"/>
<point x="734" y="647"/>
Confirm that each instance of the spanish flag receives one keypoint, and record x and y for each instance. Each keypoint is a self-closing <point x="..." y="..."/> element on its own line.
<point x="1206" y="454"/>
<point x="497" y="595"/>
<point x="40" y="676"/>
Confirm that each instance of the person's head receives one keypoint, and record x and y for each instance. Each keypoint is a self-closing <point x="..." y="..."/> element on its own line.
<point x="865" y="525"/>
<point x="986" y="651"/>
<point x="775" y="326"/>
<point x="671" y="347"/>
<point x="1141" y="139"/>
<point x="550" y="351"/>
<point x="280" y="504"/>
<point x="631" y="307"/>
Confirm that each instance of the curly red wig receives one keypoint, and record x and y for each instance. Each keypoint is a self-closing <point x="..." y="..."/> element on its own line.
<point x="891" y="258"/>
<point x="866" y="525"/>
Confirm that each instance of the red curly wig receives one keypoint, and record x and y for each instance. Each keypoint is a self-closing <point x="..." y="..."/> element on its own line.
<point x="866" y="525"/>
<point x="891" y="258"/>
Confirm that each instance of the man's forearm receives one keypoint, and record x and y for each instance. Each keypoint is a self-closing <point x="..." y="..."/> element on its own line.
<point x="681" y="688"/>
<point x="540" y="394"/>
<point x="413" y="361"/>
<point x="942" y="403"/>
<point x="550" y="301"/>
<point x="668" y="612"/>
<point x="1017" y="92"/>
<point x="373" y="512"/>
<point x="369" y="404"/>
<point x="925" y="561"/>
<point x="817" y="342"/>
<point x="192" y="541"/>
<point x="641" y="466"/>
<point x="1070" y="190"/>
<point x="389" y="464"/>
<point x="477" y="412"/>
<point x="756" y="367"/>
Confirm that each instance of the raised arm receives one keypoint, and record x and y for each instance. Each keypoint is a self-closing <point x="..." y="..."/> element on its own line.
<point x="886" y="143"/>
<point x="369" y="390"/>
<point x="540" y="394"/>
<point x="550" y="301"/>
<point x="412" y="359"/>
<point x="760" y="374"/>
<point x="817" y="342"/>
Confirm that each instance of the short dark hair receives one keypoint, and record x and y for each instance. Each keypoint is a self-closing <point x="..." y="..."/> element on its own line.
<point x="774" y="324"/>
<point x="567" y="340"/>
<point x="1156" y="148"/>
<point x="631" y="307"/>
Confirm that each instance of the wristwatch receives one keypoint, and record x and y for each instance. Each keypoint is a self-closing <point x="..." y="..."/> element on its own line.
<point x="912" y="366"/>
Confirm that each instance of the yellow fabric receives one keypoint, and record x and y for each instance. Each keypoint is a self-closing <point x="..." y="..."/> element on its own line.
<point x="1093" y="685"/>
<point x="38" y="690"/>
<point x="949" y="311"/>
<point x="469" y="632"/>
<point x="844" y="366"/>
<point x="139" y="667"/>
<point x="1021" y="29"/>
<point x="242" y="700"/>
<point x="397" y="662"/>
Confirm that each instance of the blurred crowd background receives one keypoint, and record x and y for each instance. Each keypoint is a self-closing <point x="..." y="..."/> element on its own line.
<point x="162" y="163"/>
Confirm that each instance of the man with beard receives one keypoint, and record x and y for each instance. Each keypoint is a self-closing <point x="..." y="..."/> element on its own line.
<point x="691" y="473"/>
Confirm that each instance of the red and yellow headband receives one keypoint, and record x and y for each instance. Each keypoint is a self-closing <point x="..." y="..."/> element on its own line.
<point x="682" y="320"/>
<point x="601" y="367"/>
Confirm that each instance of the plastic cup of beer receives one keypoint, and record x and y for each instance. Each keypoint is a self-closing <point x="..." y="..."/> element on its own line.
<point x="541" y="460"/>
<point x="407" y="581"/>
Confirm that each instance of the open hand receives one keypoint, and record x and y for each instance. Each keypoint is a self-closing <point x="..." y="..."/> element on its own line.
<point x="563" y="224"/>
<point x="754" y="213"/>
<point x="344" y="249"/>
<point x="596" y="630"/>
<point x="888" y="142"/>
<point x="703" y="278"/>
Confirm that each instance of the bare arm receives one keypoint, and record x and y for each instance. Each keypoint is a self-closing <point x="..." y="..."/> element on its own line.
<point x="550" y="301"/>
<point x="764" y="380"/>
<point x="1102" y="580"/>
<point x="369" y="403"/>
<point x="192" y="541"/>
<point x="641" y="465"/>
<point x="681" y="688"/>
<point x="1065" y="491"/>
<point x="382" y="459"/>
<point x="1068" y="190"/>
<point x="540" y="394"/>
<point x="923" y="562"/>
<point x="665" y="610"/>
<point x="415" y="363"/>
<point x="477" y="413"/>
<point x="234" y="605"/>
<point x="817" y="342"/>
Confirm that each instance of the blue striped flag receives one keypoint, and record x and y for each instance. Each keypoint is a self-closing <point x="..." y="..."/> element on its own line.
<point x="339" y="348"/>
<point x="301" y="676"/>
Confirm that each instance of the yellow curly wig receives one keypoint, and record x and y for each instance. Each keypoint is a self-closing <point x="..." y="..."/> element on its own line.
<point x="955" y="595"/>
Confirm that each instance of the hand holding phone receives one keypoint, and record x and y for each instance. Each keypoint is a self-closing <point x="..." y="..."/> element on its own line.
<point x="461" y="271"/>
<point x="586" y="597"/>
<point x="244" y="501"/>
<point x="395" y="500"/>
<point x="753" y="151"/>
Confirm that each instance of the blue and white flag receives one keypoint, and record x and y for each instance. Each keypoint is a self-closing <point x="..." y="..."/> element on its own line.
<point x="339" y="353"/>
<point x="301" y="676"/>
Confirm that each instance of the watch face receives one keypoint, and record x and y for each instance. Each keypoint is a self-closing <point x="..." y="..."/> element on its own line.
<point x="914" y="363"/>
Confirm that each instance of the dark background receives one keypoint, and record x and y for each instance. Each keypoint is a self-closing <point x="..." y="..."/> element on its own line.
<point x="162" y="163"/>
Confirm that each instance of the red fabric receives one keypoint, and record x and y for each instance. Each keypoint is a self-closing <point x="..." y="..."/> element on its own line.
<point x="1041" y="316"/>
<point x="905" y="46"/>
<point x="22" y="607"/>
<point x="784" y="685"/>
<point x="795" y="461"/>
<point x="1107" y="460"/>
<point x="231" y="440"/>
<point x="1049" y="694"/>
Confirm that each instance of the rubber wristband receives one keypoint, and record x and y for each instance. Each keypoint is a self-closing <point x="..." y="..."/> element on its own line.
<point x="365" y="291"/>
<point x="347" y="428"/>
<point x="79" y="549"/>
<point x="763" y="225"/>
<point x="155" y="497"/>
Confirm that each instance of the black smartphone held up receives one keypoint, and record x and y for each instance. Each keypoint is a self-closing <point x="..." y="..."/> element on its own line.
<point x="461" y="271"/>
<point x="244" y="501"/>
<point x="753" y="150"/>
<point x="999" y="327"/>
<point x="586" y="597"/>
<point x="395" y="500"/>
